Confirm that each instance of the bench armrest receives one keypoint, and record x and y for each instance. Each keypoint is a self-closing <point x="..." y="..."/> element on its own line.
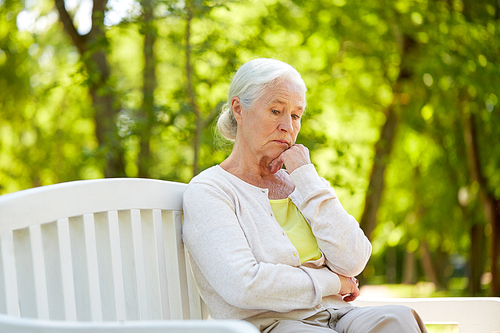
<point x="28" y="325"/>
<point x="472" y="314"/>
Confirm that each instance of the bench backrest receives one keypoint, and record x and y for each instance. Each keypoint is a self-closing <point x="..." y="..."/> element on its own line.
<point x="96" y="250"/>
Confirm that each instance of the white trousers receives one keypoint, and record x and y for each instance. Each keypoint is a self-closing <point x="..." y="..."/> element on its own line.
<point x="371" y="319"/>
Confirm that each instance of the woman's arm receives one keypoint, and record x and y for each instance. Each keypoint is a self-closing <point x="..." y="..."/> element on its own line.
<point x="338" y="234"/>
<point x="219" y="247"/>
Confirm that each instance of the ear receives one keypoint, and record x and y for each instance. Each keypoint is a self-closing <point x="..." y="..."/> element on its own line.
<point x="237" y="108"/>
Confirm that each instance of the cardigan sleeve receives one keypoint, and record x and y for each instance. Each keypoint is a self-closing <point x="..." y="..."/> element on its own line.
<point x="217" y="244"/>
<point x="339" y="237"/>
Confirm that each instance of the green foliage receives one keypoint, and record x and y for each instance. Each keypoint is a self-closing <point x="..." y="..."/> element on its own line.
<point x="351" y="55"/>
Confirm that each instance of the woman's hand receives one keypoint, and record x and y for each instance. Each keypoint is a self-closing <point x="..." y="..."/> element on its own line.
<point x="293" y="158"/>
<point x="349" y="287"/>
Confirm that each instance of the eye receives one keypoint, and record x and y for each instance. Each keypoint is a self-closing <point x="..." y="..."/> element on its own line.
<point x="275" y="112"/>
<point x="296" y="116"/>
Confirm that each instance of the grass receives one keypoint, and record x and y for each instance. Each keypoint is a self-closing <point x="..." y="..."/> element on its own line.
<point x="441" y="328"/>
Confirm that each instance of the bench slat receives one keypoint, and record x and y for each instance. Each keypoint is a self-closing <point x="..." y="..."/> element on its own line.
<point x="80" y="269"/>
<point x="25" y="273"/>
<point x="172" y="261"/>
<point x="50" y="203"/>
<point x="128" y="265"/>
<point x="66" y="264"/>
<point x="53" y="281"/>
<point x="152" y="277"/>
<point x="39" y="276"/>
<point x="195" y="304"/>
<point x="162" y="268"/>
<point x="105" y="267"/>
<point x="93" y="267"/>
<point x="183" y="276"/>
<point x="140" y="270"/>
<point x="116" y="265"/>
<point x="9" y="276"/>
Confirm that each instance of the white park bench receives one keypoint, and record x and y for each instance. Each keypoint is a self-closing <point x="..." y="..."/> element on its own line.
<point x="107" y="256"/>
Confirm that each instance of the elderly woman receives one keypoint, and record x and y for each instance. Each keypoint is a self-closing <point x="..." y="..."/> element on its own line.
<point x="274" y="246"/>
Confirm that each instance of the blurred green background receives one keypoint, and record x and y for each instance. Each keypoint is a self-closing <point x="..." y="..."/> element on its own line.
<point x="403" y="113"/>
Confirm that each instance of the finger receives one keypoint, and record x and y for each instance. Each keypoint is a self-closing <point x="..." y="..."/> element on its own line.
<point x="276" y="164"/>
<point x="353" y="295"/>
<point x="350" y="297"/>
<point x="296" y="156"/>
<point x="354" y="285"/>
<point x="354" y="280"/>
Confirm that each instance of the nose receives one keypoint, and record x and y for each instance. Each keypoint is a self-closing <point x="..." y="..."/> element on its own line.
<point x="285" y="124"/>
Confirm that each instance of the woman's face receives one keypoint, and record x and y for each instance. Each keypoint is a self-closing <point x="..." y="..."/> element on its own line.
<point x="272" y="123"/>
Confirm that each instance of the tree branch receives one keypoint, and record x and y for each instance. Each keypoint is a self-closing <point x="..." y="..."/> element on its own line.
<point x="98" y="10"/>
<point x="213" y="114"/>
<point x="67" y="21"/>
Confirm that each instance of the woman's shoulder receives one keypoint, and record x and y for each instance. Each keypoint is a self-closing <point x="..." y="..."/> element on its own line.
<point x="206" y="174"/>
<point x="214" y="177"/>
<point x="217" y="179"/>
<point x="210" y="177"/>
<point x="215" y="185"/>
<point x="204" y="186"/>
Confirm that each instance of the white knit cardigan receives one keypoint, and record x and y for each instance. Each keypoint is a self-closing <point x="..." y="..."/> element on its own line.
<point x="243" y="262"/>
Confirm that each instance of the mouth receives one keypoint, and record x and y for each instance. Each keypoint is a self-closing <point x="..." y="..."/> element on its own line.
<point x="282" y="142"/>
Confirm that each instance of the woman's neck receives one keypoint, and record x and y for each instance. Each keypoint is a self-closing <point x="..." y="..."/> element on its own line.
<point x="279" y="184"/>
<point x="247" y="166"/>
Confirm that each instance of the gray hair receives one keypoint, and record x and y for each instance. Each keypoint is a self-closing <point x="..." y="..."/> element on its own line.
<point x="249" y="83"/>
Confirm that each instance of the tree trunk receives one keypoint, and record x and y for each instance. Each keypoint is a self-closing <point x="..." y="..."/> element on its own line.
<point x="200" y="121"/>
<point x="491" y="206"/>
<point x="391" y="265"/>
<point x="476" y="258"/>
<point x="409" y="268"/>
<point x="190" y="90"/>
<point x="383" y="147"/>
<point x="495" y="247"/>
<point x="376" y="186"/>
<point x="147" y="117"/>
<point x="427" y="264"/>
<point x="92" y="48"/>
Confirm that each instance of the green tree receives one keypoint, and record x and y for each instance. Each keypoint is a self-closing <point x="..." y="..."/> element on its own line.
<point x="147" y="118"/>
<point x="402" y="113"/>
<point x="94" y="48"/>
